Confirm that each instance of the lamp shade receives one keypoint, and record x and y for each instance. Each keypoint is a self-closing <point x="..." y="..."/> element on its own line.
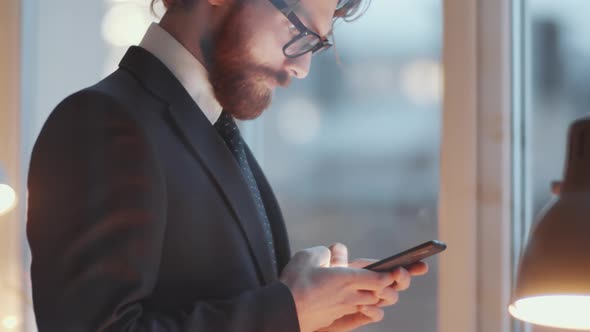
<point x="7" y="194"/>
<point x="553" y="283"/>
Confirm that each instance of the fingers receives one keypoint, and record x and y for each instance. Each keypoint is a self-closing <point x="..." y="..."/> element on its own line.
<point x="402" y="279"/>
<point x="389" y="296"/>
<point x="375" y="314"/>
<point x="401" y="276"/>
<point x="339" y="255"/>
<point x="348" y="323"/>
<point x="418" y="269"/>
<point x="361" y="263"/>
<point x="369" y="280"/>
<point x="399" y="280"/>
<point x="316" y="256"/>
<point x="363" y="297"/>
<point x="365" y="315"/>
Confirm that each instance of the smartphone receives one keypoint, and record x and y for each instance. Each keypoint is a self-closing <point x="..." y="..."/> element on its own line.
<point x="408" y="257"/>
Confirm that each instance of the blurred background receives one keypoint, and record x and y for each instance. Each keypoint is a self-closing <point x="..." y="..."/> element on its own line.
<point x="352" y="151"/>
<point x="557" y="88"/>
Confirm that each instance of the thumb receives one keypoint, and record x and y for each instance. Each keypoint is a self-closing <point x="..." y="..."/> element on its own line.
<point x="361" y="263"/>
<point x="339" y="255"/>
<point x="316" y="256"/>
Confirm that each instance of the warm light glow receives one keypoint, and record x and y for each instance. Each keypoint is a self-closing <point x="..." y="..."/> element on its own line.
<point x="561" y="311"/>
<point x="7" y="198"/>
<point x="10" y="322"/>
<point x="125" y="23"/>
<point x="422" y="82"/>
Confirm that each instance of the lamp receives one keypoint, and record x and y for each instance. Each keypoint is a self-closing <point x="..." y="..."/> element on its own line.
<point x="7" y="194"/>
<point x="553" y="283"/>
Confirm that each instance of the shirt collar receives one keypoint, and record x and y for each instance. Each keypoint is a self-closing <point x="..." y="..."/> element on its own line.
<point x="185" y="67"/>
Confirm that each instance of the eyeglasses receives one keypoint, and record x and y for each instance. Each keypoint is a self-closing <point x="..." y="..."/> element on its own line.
<point x="306" y="41"/>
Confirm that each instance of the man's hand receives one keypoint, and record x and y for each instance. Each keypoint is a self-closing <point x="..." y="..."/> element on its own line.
<point x="324" y="294"/>
<point x="366" y="315"/>
<point x="388" y="296"/>
<point x="414" y="270"/>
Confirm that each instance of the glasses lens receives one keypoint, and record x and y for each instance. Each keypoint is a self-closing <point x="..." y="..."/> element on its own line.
<point x="302" y="45"/>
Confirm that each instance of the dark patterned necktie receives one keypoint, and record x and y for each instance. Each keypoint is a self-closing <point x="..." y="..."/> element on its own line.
<point x="228" y="130"/>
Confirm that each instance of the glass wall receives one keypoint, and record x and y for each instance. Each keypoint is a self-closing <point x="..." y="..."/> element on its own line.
<point x="353" y="150"/>
<point x="557" y="86"/>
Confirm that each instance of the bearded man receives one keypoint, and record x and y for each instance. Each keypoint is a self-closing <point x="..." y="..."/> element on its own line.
<point x="148" y="212"/>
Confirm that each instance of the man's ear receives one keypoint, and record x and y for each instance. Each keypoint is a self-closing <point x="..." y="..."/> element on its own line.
<point x="170" y="3"/>
<point x="217" y="2"/>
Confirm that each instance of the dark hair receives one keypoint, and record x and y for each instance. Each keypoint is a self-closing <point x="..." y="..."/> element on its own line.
<point x="352" y="9"/>
<point x="349" y="10"/>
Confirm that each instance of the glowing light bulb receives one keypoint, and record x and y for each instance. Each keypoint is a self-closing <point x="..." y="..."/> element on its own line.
<point x="561" y="311"/>
<point x="7" y="198"/>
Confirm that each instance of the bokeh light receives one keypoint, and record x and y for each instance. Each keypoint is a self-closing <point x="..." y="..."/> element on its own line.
<point x="10" y="322"/>
<point x="125" y="23"/>
<point x="7" y="198"/>
<point x="299" y="121"/>
<point x="422" y="82"/>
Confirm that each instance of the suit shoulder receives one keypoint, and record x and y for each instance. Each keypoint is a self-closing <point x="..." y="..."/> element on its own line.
<point x="89" y="117"/>
<point x="89" y="110"/>
<point x="129" y="91"/>
<point x="118" y="95"/>
<point x="118" y="101"/>
<point x="87" y="104"/>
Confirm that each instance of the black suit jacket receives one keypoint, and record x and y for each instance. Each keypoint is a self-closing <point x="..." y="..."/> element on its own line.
<point x="139" y="218"/>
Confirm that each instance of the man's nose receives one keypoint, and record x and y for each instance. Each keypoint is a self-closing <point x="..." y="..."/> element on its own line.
<point x="299" y="67"/>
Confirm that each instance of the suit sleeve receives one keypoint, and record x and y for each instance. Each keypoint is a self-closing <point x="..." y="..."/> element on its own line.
<point x="95" y="224"/>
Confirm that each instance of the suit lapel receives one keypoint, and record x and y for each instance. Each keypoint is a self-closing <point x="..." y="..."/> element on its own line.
<point x="207" y="147"/>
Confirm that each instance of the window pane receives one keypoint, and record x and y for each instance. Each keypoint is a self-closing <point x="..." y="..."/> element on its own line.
<point x="353" y="150"/>
<point x="557" y="83"/>
<point x="558" y="86"/>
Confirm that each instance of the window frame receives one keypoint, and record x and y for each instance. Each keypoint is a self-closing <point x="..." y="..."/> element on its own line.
<point x="476" y="195"/>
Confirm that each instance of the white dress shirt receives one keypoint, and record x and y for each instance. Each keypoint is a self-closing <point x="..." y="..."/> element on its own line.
<point x="186" y="68"/>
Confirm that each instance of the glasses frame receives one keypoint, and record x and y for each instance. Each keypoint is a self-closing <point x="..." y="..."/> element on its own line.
<point x="323" y="42"/>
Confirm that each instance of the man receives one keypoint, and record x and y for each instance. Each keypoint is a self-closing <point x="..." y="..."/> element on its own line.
<point x="147" y="211"/>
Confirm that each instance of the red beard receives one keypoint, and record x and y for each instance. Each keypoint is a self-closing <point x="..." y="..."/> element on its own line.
<point x="239" y="82"/>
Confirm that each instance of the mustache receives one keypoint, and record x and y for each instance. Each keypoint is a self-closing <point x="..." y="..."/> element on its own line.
<point x="280" y="77"/>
